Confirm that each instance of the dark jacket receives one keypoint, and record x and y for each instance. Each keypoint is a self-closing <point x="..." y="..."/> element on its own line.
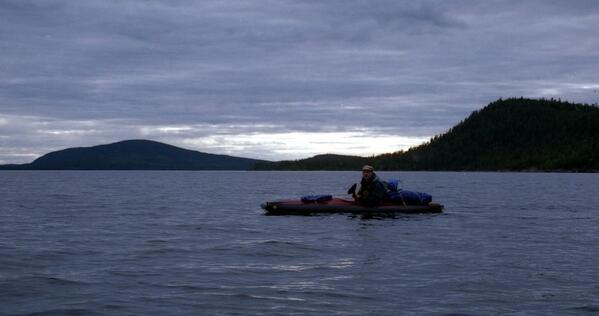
<point x="371" y="192"/>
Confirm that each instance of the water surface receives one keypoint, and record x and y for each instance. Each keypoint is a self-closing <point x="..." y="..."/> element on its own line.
<point x="179" y="242"/>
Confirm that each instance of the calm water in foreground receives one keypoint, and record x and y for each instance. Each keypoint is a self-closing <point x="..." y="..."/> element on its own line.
<point x="176" y="243"/>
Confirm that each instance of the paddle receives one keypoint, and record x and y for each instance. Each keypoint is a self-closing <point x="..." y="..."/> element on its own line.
<point x="352" y="191"/>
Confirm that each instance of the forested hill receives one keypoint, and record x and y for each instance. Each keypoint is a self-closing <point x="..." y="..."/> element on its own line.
<point x="135" y="155"/>
<point x="511" y="135"/>
<point x="318" y="162"/>
<point x="508" y="135"/>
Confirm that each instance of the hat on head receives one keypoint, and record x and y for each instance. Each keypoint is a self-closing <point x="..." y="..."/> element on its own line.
<point x="367" y="167"/>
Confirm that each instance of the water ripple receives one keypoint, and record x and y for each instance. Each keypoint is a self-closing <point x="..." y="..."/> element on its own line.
<point x="138" y="243"/>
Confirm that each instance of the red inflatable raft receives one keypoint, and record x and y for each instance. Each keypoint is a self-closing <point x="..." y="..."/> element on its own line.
<point x="337" y="205"/>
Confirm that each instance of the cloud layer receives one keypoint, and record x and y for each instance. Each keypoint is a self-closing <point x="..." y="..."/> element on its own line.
<point x="278" y="79"/>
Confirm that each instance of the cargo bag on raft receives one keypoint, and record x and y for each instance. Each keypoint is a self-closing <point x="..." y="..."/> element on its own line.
<point x="393" y="185"/>
<point x="319" y="198"/>
<point x="410" y="197"/>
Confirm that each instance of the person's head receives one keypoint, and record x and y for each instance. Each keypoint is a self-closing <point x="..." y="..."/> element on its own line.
<point x="367" y="172"/>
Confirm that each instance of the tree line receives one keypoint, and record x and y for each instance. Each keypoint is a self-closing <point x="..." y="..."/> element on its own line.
<point x="514" y="134"/>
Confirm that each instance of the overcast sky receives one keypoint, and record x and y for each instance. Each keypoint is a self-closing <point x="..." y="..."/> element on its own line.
<point x="278" y="79"/>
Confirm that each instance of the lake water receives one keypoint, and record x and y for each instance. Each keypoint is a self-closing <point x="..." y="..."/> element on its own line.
<point x="197" y="243"/>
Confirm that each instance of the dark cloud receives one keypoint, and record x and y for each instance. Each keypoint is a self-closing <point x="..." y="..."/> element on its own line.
<point x="219" y="75"/>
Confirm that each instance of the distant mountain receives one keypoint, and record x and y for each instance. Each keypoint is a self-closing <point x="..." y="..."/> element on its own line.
<point x="507" y="135"/>
<point x="515" y="134"/>
<point x="318" y="162"/>
<point x="135" y="155"/>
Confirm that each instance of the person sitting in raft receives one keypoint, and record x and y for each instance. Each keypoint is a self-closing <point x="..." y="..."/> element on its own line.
<point x="372" y="190"/>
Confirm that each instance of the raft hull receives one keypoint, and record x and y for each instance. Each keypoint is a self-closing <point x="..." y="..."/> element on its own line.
<point x="336" y="205"/>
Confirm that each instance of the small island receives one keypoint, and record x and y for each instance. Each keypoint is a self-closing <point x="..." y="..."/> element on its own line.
<point x="137" y="154"/>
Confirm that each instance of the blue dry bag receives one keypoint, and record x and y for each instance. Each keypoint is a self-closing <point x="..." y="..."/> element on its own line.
<point x="316" y="198"/>
<point x="410" y="197"/>
<point x="394" y="185"/>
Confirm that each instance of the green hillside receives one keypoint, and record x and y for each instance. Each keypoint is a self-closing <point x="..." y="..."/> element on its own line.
<point x="318" y="162"/>
<point x="135" y="155"/>
<point x="506" y="135"/>
<point x="513" y="134"/>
